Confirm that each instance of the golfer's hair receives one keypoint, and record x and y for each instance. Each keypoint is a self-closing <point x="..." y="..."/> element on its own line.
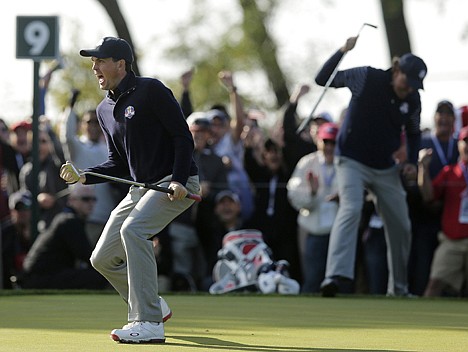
<point x="128" y="65"/>
<point x="395" y="62"/>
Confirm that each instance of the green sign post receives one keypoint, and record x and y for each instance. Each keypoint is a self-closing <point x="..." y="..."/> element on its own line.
<point x="36" y="39"/>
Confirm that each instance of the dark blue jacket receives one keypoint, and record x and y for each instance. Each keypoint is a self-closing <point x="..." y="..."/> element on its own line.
<point x="371" y="130"/>
<point x="146" y="133"/>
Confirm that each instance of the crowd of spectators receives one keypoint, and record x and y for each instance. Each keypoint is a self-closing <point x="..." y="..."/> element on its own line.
<point x="252" y="176"/>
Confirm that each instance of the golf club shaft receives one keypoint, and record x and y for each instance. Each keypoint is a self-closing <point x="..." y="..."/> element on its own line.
<point x="306" y="121"/>
<point x="195" y="197"/>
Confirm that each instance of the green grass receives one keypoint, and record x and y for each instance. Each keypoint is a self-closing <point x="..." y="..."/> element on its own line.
<point x="253" y="323"/>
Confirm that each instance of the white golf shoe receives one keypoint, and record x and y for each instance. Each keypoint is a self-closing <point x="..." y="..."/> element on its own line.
<point x="166" y="311"/>
<point x="140" y="332"/>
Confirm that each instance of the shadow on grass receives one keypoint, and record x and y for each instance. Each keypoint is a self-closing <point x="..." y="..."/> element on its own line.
<point x="210" y="342"/>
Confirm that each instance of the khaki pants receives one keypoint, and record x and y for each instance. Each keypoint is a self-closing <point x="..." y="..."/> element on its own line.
<point x="390" y="200"/>
<point x="450" y="263"/>
<point x="124" y="253"/>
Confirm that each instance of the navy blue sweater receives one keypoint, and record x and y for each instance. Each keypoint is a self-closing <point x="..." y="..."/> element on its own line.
<point x="146" y="134"/>
<point x="375" y="117"/>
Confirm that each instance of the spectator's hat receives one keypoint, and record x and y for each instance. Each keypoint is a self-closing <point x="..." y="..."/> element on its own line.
<point x="217" y="113"/>
<point x="198" y="121"/>
<point x="227" y="194"/>
<point x="463" y="133"/>
<point x="464" y="115"/>
<point x="445" y="106"/>
<point x="328" y="131"/>
<point x="20" y="200"/>
<point x="414" y="68"/>
<point x="116" y="48"/>
<point x="21" y="124"/>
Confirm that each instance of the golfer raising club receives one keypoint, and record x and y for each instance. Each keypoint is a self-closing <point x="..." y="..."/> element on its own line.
<point x="148" y="140"/>
<point x="383" y="104"/>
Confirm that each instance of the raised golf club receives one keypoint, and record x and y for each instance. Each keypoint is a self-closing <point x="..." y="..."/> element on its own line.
<point x="306" y="121"/>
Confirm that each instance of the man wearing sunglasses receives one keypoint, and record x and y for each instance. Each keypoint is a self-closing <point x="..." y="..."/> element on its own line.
<point x="52" y="260"/>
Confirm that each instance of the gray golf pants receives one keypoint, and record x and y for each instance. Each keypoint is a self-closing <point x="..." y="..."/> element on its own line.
<point x="390" y="200"/>
<point x="124" y="254"/>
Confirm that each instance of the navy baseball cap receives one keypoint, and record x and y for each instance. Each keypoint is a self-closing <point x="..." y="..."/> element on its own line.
<point x="116" y="48"/>
<point x="415" y="70"/>
<point x="445" y="106"/>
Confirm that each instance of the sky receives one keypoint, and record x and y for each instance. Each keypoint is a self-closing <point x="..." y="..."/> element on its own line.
<point x="436" y="28"/>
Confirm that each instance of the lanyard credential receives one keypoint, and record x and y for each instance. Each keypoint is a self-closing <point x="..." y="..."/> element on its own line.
<point x="327" y="174"/>
<point x="463" y="212"/>
<point x="443" y="158"/>
<point x="464" y="167"/>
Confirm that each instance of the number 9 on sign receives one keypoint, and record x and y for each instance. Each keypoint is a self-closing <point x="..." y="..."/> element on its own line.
<point x="37" y="35"/>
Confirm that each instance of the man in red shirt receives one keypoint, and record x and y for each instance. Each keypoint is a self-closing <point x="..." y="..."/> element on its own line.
<point x="449" y="271"/>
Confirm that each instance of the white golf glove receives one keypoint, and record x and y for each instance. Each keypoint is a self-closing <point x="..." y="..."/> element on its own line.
<point x="179" y="191"/>
<point x="69" y="173"/>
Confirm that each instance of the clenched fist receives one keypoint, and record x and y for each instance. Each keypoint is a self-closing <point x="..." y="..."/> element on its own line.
<point x="179" y="191"/>
<point x="69" y="173"/>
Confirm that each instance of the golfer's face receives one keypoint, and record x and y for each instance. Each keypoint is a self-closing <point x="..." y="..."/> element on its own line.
<point x="400" y="85"/>
<point x="108" y="72"/>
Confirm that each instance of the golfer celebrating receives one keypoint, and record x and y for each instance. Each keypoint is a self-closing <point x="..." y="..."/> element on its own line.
<point x="383" y="104"/>
<point x="148" y="140"/>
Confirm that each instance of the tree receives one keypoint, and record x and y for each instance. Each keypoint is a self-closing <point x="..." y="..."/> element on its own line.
<point x="117" y="18"/>
<point x="395" y="25"/>
<point x="255" y="32"/>
<point x="243" y="45"/>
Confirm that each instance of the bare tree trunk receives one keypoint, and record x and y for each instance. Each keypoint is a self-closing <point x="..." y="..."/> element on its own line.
<point x="254" y="28"/>
<point x="395" y="25"/>
<point x="113" y="10"/>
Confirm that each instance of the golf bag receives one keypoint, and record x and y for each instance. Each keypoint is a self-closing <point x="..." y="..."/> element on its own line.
<point x="245" y="263"/>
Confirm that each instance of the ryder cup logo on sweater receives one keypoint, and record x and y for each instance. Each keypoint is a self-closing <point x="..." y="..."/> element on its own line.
<point x="404" y="108"/>
<point x="129" y="112"/>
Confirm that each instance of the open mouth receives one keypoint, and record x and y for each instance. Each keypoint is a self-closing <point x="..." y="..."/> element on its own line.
<point x="100" y="79"/>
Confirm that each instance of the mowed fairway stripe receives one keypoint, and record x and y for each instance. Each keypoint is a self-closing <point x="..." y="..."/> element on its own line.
<point x="81" y="322"/>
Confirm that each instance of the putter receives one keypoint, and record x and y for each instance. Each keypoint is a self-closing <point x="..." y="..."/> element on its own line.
<point x="195" y="197"/>
<point x="306" y="121"/>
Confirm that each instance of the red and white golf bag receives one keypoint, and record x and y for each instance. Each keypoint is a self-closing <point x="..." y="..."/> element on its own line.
<point x="245" y="264"/>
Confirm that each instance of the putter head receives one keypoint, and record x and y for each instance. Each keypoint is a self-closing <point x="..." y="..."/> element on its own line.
<point x="365" y="25"/>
